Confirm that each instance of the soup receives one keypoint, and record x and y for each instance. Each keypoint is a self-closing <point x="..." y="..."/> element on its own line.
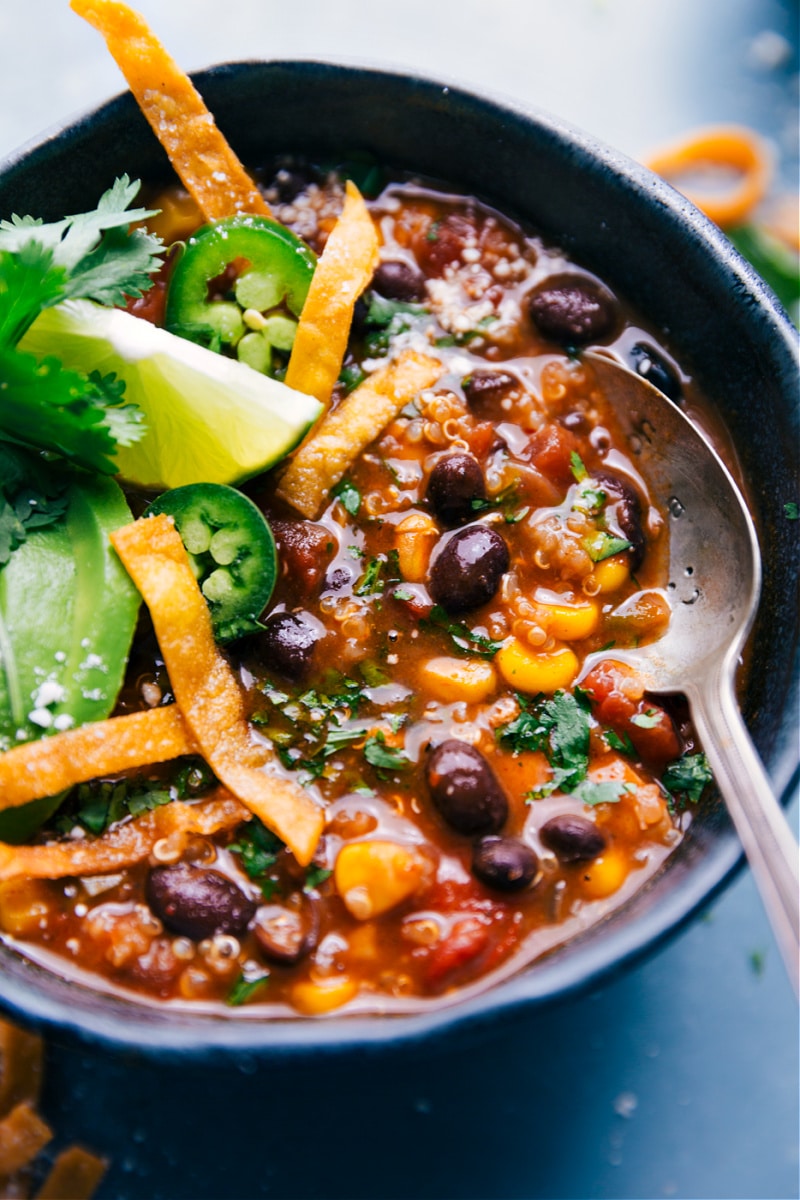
<point x="435" y="667"/>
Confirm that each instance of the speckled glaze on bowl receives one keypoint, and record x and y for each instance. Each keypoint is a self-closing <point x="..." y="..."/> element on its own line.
<point x="657" y="251"/>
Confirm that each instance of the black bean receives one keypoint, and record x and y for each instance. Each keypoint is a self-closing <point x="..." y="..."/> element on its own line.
<point x="623" y="513"/>
<point x="572" y="838"/>
<point x="286" y="934"/>
<point x="648" y="363"/>
<point x="572" y="310"/>
<point x="485" y="391"/>
<point x="198" y="903"/>
<point x="287" y="644"/>
<point x="504" y="863"/>
<point x="464" y="788"/>
<point x="396" y="280"/>
<point x="467" y="571"/>
<point x="454" y="484"/>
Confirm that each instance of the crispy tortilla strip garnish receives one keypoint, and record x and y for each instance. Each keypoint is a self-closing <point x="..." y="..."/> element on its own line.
<point x="709" y="151"/>
<point x="75" y="1175"/>
<point x="205" y="687"/>
<point x="22" y="1136"/>
<point x="125" y="844"/>
<point x="345" y="267"/>
<point x="21" y="1056"/>
<point x="52" y="764"/>
<point x="343" y="434"/>
<point x="201" y="156"/>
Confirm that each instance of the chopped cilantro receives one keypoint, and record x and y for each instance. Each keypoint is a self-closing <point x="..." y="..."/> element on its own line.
<point x="315" y="876"/>
<point x="609" y="792"/>
<point x="372" y="674"/>
<point x="757" y="960"/>
<point x="101" y="805"/>
<point x="433" y="232"/>
<point x="623" y="744"/>
<point x="577" y="467"/>
<point x="32" y="496"/>
<point x="351" y="376"/>
<point x="464" y="638"/>
<point x="371" y="582"/>
<point x="560" y="727"/>
<point x="383" y="757"/>
<point x="258" y="848"/>
<point x="349" y="496"/>
<point x="688" y="777"/>
<point x="791" y="511"/>
<point x="245" y="988"/>
<point x="402" y="593"/>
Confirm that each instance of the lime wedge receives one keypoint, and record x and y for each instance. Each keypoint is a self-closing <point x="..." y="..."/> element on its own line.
<point x="209" y="419"/>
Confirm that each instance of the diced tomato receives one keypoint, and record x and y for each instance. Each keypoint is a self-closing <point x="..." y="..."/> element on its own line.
<point x="466" y="940"/>
<point x="618" y="701"/>
<point x="551" y="447"/>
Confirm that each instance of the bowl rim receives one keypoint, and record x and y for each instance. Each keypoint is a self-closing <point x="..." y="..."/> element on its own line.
<point x="183" y="1035"/>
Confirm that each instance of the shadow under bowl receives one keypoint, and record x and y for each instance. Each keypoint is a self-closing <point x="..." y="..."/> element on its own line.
<point x="659" y="253"/>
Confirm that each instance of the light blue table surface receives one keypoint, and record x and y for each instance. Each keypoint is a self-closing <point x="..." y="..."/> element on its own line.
<point x="679" y="1079"/>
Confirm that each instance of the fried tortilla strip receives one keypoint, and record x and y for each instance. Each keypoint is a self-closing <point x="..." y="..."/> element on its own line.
<point x="75" y="1175"/>
<point x="201" y="156"/>
<point x="342" y="435"/>
<point x="205" y="687"/>
<point x="52" y="764"/>
<point x="707" y="152"/>
<point x="125" y="844"/>
<point x="21" y="1056"/>
<point x="22" y="1135"/>
<point x="345" y="267"/>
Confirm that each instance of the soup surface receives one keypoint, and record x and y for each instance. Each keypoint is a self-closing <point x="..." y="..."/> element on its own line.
<point x="436" y="664"/>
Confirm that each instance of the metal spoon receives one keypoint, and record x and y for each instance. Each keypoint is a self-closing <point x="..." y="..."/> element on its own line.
<point x="715" y="580"/>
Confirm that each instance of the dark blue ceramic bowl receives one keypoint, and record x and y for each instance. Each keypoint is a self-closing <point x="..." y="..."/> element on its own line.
<point x="658" y="252"/>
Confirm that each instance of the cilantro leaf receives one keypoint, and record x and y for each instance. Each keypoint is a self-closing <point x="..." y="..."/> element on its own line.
<point x="464" y="638"/>
<point x="92" y="256"/>
<point x="245" y="988"/>
<point x="258" y="849"/>
<point x="349" y="496"/>
<point x="558" y="726"/>
<point x="609" y="792"/>
<point x="315" y="876"/>
<point x="101" y="805"/>
<point x="64" y="411"/>
<point x="384" y="757"/>
<point x="791" y="511"/>
<point x="687" y="776"/>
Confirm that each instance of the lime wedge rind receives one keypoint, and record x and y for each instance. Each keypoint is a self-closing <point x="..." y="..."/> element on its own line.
<point x="209" y="418"/>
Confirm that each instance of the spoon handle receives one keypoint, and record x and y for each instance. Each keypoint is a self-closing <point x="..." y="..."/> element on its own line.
<point x="758" y="818"/>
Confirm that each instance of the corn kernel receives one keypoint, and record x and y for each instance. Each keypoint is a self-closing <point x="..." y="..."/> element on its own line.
<point x="453" y="679"/>
<point x="610" y="574"/>
<point x="316" y="997"/>
<point x="414" y="539"/>
<point x="570" y="622"/>
<point x="605" y="875"/>
<point x="529" y="671"/>
<point x="373" y="877"/>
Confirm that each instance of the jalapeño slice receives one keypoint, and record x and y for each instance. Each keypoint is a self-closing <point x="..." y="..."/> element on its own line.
<point x="231" y="549"/>
<point x="240" y="285"/>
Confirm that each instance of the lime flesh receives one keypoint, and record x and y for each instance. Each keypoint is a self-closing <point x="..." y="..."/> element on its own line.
<point x="208" y="418"/>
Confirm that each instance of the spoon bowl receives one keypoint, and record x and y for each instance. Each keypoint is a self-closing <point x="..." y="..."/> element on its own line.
<point x="714" y="587"/>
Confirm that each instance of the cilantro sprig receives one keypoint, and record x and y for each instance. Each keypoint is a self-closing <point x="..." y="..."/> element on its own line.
<point x="687" y="778"/>
<point x="90" y="256"/>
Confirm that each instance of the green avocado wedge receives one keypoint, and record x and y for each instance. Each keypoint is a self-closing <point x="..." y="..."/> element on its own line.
<point x="67" y="616"/>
